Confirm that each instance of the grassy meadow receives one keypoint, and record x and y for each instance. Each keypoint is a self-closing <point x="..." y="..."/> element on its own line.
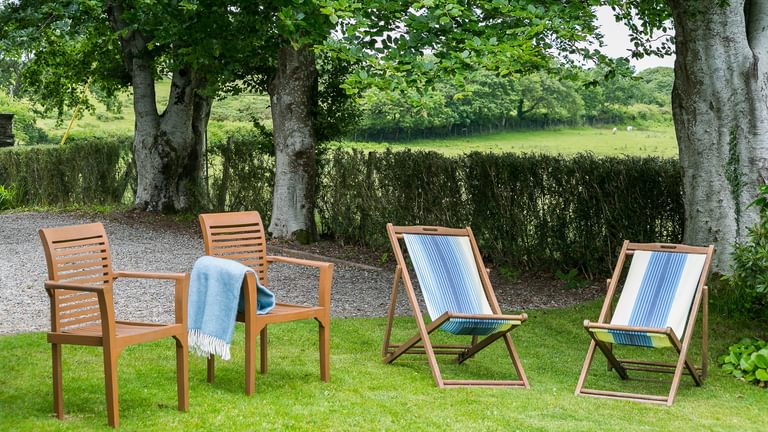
<point x="658" y="141"/>
<point x="600" y="141"/>
<point x="365" y="394"/>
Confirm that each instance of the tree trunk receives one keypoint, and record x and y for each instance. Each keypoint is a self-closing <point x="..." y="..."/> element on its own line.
<point x="719" y="103"/>
<point x="293" y="92"/>
<point x="168" y="148"/>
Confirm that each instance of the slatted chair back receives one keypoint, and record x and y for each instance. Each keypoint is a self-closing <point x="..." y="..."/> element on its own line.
<point x="237" y="236"/>
<point x="447" y="271"/>
<point x="658" y="292"/>
<point x="447" y="264"/>
<point x="76" y="254"/>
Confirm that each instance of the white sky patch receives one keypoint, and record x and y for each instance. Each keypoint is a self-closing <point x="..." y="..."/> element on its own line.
<point x="617" y="42"/>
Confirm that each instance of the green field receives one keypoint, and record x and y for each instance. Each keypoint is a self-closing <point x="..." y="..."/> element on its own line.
<point x="238" y="109"/>
<point x="643" y="142"/>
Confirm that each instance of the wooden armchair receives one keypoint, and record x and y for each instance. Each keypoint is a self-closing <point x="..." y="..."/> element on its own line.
<point x="82" y="312"/>
<point x="241" y="236"/>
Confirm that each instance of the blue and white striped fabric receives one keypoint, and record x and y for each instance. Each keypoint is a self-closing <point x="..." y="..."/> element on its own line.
<point x="448" y="275"/>
<point x="658" y="293"/>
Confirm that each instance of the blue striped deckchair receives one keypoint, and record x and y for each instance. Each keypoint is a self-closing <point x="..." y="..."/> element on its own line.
<point x="661" y="295"/>
<point x="458" y="296"/>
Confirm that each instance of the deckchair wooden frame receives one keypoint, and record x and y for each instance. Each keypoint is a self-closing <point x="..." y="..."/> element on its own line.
<point x="683" y="365"/>
<point x="421" y="343"/>
<point x="82" y="310"/>
<point x="244" y="234"/>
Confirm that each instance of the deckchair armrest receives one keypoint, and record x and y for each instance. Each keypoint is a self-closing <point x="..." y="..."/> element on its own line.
<point x="181" y="289"/>
<point x="521" y="317"/>
<point x="325" y="278"/>
<point x="590" y="325"/>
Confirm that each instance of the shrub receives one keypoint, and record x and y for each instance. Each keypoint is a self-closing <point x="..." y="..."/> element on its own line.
<point x="8" y="198"/>
<point x="85" y="171"/>
<point x="747" y="360"/>
<point x="242" y="171"/>
<point x="527" y="211"/>
<point x="748" y="281"/>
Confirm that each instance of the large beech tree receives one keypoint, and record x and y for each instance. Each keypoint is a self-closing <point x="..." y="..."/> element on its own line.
<point x="387" y="41"/>
<point x="720" y="108"/>
<point x="115" y="44"/>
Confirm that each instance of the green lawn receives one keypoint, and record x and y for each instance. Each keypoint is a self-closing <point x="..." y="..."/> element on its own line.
<point x="640" y="142"/>
<point x="365" y="394"/>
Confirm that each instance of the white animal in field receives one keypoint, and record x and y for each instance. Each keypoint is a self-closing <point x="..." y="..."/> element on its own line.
<point x="629" y="128"/>
<point x="614" y="131"/>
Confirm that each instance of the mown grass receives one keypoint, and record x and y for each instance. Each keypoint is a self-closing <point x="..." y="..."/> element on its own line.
<point x="600" y="141"/>
<point x="365" y="394"/>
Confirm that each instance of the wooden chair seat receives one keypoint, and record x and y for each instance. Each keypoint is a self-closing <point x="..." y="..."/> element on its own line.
<point x="82" y="310"/>
<point x="124" y="330"/>
<point x="241" y="236"/>
<point x="288" y="312"/>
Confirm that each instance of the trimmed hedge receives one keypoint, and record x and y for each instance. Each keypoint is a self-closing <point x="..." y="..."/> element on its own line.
<point x="533" y="212"/>
<point x="94" y="170"/>
<point x="527" y="211"/>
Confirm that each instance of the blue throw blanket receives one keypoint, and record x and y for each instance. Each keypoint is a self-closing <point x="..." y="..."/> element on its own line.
<point x="214" y="295"/>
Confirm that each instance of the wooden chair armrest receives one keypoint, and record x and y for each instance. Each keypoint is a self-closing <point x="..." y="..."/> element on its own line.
<point x="591" y="325"/>
<point x="148" y="275"/>
<point x="51" y="286"/>
<point x="103" y="294"/>
<point x="298" y="261"/>
<point x="181" y="288"/>
<point x="325" y="278"/>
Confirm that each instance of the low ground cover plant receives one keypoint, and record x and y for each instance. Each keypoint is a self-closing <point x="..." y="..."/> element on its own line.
<point x="748" y="361"/>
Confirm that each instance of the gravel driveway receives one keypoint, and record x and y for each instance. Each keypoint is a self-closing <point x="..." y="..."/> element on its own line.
<point x="144" y="243"/>
<point x="24" y="306"/>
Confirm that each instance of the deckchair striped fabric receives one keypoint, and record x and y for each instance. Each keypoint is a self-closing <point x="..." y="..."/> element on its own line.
<point x="658" y="293"/>
<point x="449" y="280"/>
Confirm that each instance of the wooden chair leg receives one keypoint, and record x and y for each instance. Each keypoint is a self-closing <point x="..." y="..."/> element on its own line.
<point x="263" y="350"/>
<point x="516" y="359"/>
<point x="211" y="368"/>
<point x="182" y="374"/>
<point x="110" y="388"/>
<point x="586" y="366"/>
<point x="391" y="313"/>
<point x="58" y="394"/>
<point x="250" y="359"/>
<point x="325" y="346"/>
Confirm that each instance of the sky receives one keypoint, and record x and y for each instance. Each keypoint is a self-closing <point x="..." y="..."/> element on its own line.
<point x="617" y="42"/>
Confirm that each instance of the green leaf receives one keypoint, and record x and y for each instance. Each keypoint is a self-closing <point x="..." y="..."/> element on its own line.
<point x="762" y="375"/>
<point x="746" y="364"/>
<point x="761" y="358"/>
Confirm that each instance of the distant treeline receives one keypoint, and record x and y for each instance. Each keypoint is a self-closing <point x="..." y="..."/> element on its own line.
<point x="540" y="100"/>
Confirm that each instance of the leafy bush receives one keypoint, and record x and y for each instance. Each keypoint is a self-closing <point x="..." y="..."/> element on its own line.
<point x="748" y="281"/>
<point x="747" y="360"/>
<point x="85" y="171"/>
<point x="8" y="198"/>
<point x="242" y="170"/>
